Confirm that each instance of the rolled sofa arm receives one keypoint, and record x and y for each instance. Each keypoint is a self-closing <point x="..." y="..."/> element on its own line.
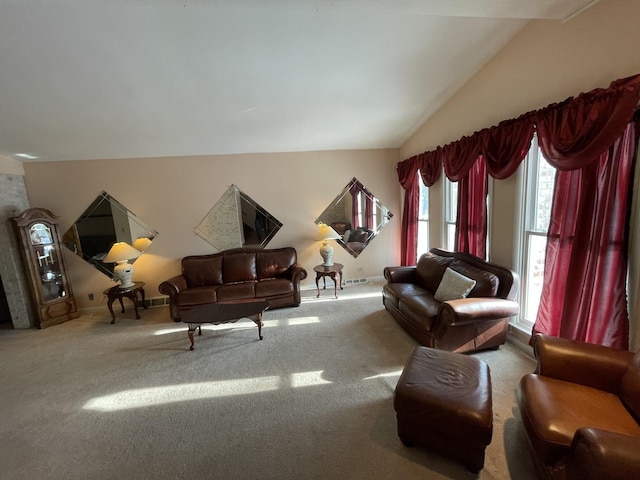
<point x="470" y="310"/>
<point x="587" y="364"/>
<point x="298" y="272"/>
<point x="597" y="454"/>
<point x="173" y="286"/>
<point x="400" y="274"/>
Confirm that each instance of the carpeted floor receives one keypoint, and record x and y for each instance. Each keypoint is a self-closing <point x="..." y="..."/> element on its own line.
<point x="313" y="400"/>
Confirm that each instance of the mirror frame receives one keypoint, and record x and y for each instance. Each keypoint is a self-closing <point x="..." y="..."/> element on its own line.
<point x="340" y="215"/>
<point x="236" y="220"/>
<point x="124" y="226"/>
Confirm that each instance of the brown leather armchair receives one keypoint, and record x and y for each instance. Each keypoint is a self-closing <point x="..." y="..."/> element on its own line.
<point x="580" y="410"/>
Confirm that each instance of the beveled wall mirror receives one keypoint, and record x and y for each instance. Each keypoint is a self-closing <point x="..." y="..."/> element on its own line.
<point x="236" y="220"/>
<point x="357" y="215"/>
<point x="105" y="222"/>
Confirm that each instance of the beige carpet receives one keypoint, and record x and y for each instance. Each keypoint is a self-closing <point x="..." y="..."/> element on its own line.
<point x="313" y="400"/>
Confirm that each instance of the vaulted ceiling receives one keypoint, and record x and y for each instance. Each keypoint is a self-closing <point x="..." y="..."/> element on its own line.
<point x="92" y="79"/>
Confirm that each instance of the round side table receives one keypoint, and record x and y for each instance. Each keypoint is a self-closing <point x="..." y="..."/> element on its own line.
<point x="333" y="271"/>
<point x="118" y="293"/>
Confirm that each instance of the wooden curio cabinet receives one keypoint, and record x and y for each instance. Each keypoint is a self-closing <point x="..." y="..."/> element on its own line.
<point x="37" y="232"/>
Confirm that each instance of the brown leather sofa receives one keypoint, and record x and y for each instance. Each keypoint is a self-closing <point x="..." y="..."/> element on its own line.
<point x="477" y="322"/>
<point x="235" y="275"/>
<point x="580" y="410"/>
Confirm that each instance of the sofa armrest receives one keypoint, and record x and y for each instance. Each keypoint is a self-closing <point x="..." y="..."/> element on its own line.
<point x="400" y="274"/>
<point x="298" y="273"/>
<point x="470" y="310"/>
<point x="587" y="364"/>
<point x="597" y="454"/>
<point x="173" y="286"/>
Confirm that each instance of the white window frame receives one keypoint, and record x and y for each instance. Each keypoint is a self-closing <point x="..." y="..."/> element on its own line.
<point x="422" y="245"/>
<point x="450" y="212"/>
<point x="531" y="232"/>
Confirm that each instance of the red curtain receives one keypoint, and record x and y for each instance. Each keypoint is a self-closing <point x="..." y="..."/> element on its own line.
<point x="584" y="292"/>
<point x="408" y="177"/>
<point x="471" y="219"/>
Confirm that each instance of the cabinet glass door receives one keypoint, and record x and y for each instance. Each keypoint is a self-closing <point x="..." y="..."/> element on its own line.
<point x="47" y="261"/>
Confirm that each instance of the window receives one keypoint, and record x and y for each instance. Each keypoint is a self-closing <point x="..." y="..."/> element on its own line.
<point x="423" y="220"/>
<point x="538" y="196"/>
<point x="450" y="212"/>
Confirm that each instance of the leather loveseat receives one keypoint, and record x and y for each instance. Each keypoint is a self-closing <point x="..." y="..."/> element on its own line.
<point x="580" y="410"/>
<point x="235" y="275"/>
<point x="474" y="320"/>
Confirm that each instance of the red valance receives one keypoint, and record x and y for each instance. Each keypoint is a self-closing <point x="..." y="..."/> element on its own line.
<point x="430" y="167"/>
<point x="574" y="133"/>
<point x="458" y="157"/>
<point x="571" y="134"/>
<point x="506" y="145"/>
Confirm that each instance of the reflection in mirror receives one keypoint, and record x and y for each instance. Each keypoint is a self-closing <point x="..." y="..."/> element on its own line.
<point x="236" y="220"/>
<point x="357" y="215"/>
<point x="105" y="222"/>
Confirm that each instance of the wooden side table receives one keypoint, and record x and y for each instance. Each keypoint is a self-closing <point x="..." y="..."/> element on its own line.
<point x="333" y="271"/>
<point x="119" y="293"/>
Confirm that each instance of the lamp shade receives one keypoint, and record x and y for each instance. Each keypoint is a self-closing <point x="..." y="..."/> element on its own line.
<point x="325" y="232"/>
<point x="141" y="243"/>
<point x="121" y="251"/>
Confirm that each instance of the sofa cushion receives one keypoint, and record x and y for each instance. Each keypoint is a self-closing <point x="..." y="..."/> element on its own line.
<point x="274" y="286"/>
<point x="430" y="270"/>
<point x="486" y="282"/>
<point x="202" y="271"/>
<point x="236" y="291"/>
<point x="421" y="310"/>
<point x="197" y="296"/>
<point x="239" y="267"/>
<point x="453" y="286"/>
<point x="274" y="264"/>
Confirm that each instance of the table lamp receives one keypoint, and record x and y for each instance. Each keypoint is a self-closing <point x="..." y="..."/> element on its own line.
<point x="120" y="254"/>
<point x="326" y="233"/>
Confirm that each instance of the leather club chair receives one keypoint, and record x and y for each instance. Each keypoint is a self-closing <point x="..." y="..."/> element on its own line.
<point x="580" y="410"/>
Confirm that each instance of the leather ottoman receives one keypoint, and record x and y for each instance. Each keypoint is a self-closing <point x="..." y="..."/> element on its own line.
<point x="443" y="402"/>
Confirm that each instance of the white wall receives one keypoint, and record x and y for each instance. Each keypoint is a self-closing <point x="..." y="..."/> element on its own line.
<point x="172" y="195"/>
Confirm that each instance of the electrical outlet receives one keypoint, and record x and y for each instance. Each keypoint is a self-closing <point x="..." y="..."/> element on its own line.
<point x="91" y="296"/>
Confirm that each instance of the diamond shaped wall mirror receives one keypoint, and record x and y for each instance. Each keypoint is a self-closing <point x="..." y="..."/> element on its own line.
<point x="357" y="215"/>
<point x="105" y="222"/>
<point x="236" y="220"/>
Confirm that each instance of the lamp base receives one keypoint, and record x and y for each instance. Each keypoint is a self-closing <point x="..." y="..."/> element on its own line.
<point x="326" y="252"/>
<point x="123" y="271"/>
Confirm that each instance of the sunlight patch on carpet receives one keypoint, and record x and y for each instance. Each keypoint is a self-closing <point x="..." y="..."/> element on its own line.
<point x="153" y="396"/>
<point x="243" y="324"/>
<point x="385" y="375"/>
<point x="341" y="297"/>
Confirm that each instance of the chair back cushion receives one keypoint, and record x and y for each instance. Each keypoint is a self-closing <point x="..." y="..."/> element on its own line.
<point x="275" y="263"/>
<point x="430" y="270"/>
<point x="239" y="267"/>
<point x="486" y="282"/>
<point x="202" y="270"/>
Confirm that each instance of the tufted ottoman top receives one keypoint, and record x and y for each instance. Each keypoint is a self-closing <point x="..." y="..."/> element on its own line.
<point x="449" y="394"/>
